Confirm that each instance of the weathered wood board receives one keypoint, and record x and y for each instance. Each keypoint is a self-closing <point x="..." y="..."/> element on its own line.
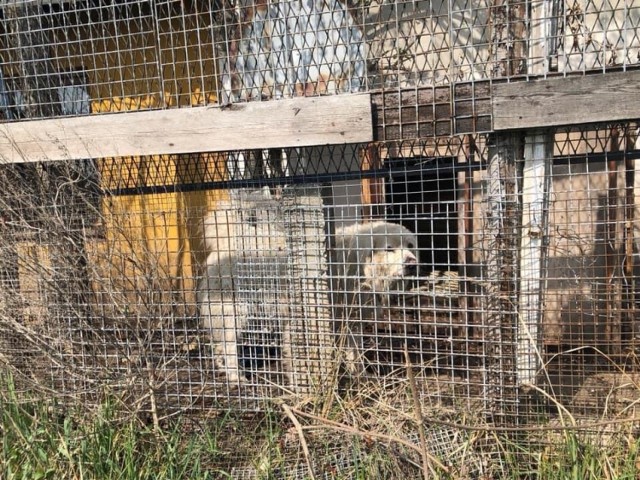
<point x="566" y="101"/>
<point x="293" y="122"/>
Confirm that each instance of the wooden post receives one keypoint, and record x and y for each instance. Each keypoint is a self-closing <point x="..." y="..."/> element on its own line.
<point x="372" y="188"/>
<point x="630" y="284"/>
<point x="465" y="234"/>
<point x="613" y="257"/>
<point x="633" y="189"/>
<point x="509" y="57"/>
<point x="508" y="37"/>
<point x="500" y="265"/>
<point x="542" y="33"/>
<point x="537" y="153"/>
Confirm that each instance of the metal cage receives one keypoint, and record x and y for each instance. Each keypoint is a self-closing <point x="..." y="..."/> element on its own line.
<point x="386" y="212"/>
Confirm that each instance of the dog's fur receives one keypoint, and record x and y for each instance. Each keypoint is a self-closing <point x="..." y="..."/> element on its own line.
<point x="372" y="261"/>
<point x="369" y="263"/>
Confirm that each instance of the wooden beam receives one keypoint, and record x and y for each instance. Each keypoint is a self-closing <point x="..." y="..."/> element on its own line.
<point x="566" y="101"/>
<point x="499" y="256"/>
<point x="257" y="125"/>
<point x="538" y="150"/>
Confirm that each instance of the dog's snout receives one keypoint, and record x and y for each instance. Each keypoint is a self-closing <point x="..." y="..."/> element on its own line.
<point x="411" y="269"/>
<point x="410" y="265"/>
<point x="410" y="259"/>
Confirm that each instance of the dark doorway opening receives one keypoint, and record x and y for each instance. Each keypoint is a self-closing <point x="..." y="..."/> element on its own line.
<point x="421" y="195"/>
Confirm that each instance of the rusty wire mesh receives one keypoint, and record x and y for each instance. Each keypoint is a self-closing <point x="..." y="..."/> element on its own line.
<point x="146" y="55"/>
<point x="524" y="303"/>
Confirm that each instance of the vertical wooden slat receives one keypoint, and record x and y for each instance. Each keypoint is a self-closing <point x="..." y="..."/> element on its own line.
<point x="500" y="295"/>
<point x="629" y="242"/>
<point x="465" y="233"/>
<point x="613" y="298"/>
<point x="372" y="188"/>
<point x="633" y="184"/>
<point x="537" y="151"/>
<point x="508" y="38"/>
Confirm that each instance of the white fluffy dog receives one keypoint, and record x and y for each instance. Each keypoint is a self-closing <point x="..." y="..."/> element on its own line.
<point x="373" y="261"/>
<point x="369" y="263"/>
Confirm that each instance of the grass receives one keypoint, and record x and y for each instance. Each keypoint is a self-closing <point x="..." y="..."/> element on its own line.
<point x="577" y="459"/>
<point x="39" y="441"/>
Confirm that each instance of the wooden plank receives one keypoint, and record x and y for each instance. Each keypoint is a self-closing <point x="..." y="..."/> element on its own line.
<point x="538" y="149"/>
<point x="257" y="125"/>
<point x="566" y="101"/>
<point x="499" y="257"/>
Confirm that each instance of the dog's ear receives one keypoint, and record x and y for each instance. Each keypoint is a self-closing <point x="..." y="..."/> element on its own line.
<point x="353" y="248"/>
<point x="361" y="248"/>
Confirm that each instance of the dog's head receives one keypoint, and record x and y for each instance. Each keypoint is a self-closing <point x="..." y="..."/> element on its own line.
<point x="382" y="256"/>
<point x="391" y="260"/>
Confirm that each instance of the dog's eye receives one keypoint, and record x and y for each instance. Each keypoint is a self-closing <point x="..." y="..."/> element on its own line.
<point x="389" y="248"/>
<point x="410" y="245"/>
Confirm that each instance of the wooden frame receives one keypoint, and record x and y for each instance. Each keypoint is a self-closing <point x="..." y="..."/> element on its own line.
<point x="566" y="101"/>
<point x="292" y="122"/>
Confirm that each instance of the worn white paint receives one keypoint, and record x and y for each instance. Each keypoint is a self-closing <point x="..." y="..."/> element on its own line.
<point x="537" y="151"/>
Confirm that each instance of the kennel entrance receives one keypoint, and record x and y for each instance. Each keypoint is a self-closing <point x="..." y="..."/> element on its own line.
<point x="435" y="319"/>
<point x="421" y="195"/>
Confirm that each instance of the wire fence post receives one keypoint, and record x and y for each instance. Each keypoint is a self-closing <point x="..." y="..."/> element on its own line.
<point x="535" y="205"/>
<point x="500" y="263"/>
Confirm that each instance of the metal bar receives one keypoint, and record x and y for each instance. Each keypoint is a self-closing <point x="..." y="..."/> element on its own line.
<point x="288" y="180"/>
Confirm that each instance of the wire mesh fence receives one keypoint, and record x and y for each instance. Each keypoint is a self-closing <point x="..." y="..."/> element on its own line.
<point x="488" y="277"/>
<point x="501" y="271"/>
<point x="162" y="54"/>
<point x="261" y="250"/>
<point x="142" y="223"/>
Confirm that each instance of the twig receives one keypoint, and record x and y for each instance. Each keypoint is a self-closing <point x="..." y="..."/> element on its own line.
<point x="303" y="442"/>
<point x="426" y="467"/>
<point x="371" y="435"/>
<point x="152" y="398"/>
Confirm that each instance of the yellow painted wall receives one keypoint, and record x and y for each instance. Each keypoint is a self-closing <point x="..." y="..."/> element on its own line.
<point x="154" y="242"/>
<point x="148" y="259"/>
